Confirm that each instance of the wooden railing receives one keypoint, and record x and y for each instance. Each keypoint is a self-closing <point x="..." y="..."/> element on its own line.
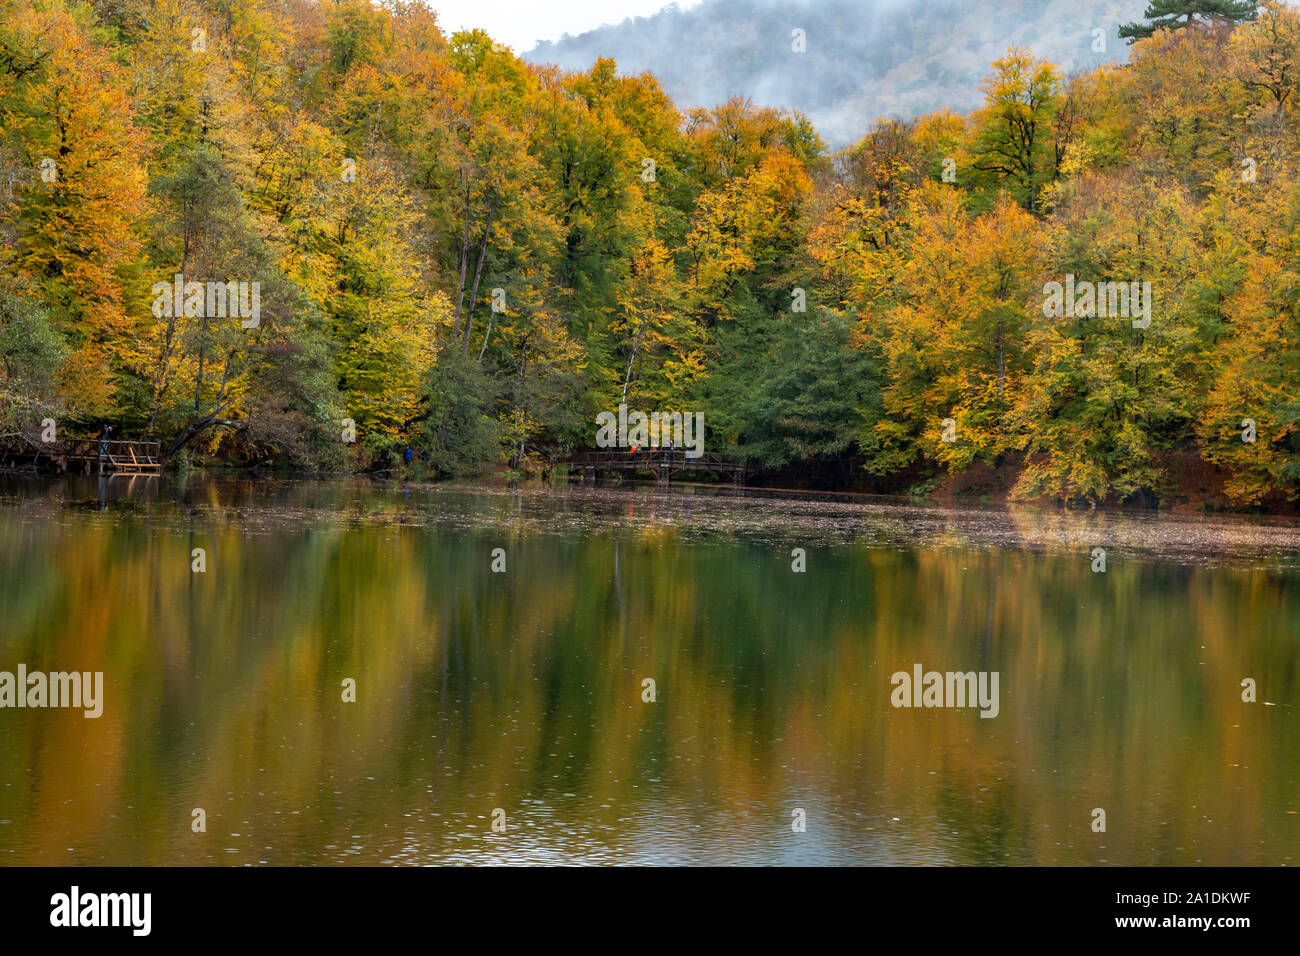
<point x="91" y="455"/>
<point x="662" y="462"/>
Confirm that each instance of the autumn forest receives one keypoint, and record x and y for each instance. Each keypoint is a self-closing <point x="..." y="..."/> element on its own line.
<point x="470" y="256"/>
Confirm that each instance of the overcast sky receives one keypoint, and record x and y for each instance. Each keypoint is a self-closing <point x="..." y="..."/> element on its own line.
<point x="520" y="24"/>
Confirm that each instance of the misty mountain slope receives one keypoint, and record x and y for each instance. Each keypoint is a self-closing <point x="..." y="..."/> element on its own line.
<point x="863" y="59"/>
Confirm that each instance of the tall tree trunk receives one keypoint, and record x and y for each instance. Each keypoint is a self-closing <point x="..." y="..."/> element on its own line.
<point x="478" y="274"/>
<point x="165" y="348"/>
<point x="198" y="382"/>
<point x="627" y="379"/>
<point x="464" y="261"/>
<point x="486" y="335"/>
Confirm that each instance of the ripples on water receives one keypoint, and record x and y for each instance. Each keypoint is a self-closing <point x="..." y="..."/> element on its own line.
<point x="522" y="690"/>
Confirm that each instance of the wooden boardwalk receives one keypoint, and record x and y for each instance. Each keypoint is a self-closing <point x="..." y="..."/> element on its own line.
<point x="660" y="462"/>
<point x="86" y="455"/>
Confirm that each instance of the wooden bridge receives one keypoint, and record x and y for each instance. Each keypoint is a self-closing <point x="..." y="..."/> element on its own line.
<point x="85" y="455"/>
<point x="663" y="463"/>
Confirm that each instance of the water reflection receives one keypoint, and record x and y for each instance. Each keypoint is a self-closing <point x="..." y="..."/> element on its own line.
<point x="523" y="690"/>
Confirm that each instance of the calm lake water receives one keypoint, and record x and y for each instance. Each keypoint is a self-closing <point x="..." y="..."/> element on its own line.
<point x="523" y="690"/>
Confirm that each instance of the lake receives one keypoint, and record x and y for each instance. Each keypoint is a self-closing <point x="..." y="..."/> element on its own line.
<point x="519" y="697"/>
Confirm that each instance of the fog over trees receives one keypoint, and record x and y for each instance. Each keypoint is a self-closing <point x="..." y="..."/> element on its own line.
<point x="864" y="58"/>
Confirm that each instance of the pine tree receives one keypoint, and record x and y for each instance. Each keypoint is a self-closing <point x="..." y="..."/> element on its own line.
<point x="1176" y="14"/>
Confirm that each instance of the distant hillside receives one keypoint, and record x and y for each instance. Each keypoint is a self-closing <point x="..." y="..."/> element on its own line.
<point x="864" y="58"/>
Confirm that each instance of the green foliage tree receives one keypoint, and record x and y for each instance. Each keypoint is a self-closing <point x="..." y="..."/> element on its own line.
<point x="460" y="435"/>
<point x="31" y="354"/>
<point x="1014" y="144"/>
<point x="1180" y="14"/>
<point x="812" y="396"/>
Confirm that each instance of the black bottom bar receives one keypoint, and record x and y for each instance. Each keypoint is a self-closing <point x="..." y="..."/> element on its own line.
<point x="655" y="906"/>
